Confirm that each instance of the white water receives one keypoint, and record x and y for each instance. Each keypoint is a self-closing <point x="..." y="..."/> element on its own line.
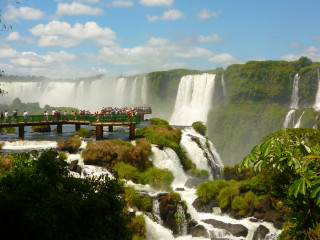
<point x="27" y="145"/>
<point x="212" y="163"/>
<point x="224" y="87"/>
<point x="168" y="159"/>
<point x="299" y="121"/>
<point x="294" y="101"/>
<point x="165" y="159"/>
<point x="316" y="105"/>
<point x="82" y="94"/>
<point x="194" y="99"/>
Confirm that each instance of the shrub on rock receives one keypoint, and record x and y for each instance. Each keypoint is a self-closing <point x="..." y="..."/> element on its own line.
<point x="71" y="145"/>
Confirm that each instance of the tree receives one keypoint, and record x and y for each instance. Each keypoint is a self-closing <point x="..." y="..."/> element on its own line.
<point x="304" y="61"/>
<point x="40" y="200"/>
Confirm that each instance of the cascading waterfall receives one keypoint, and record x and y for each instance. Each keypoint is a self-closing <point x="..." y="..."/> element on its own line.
<point x="156" y="211"/>
<point x="299" y="121"/>
<point x="294" y="101"/>
<point x="204" y="156"/>
<point x="91" y="94"/>
<point x="224" y="87"/>
<point x="168" y="159"/>
<point x="316" y="105"/>
<point x="193" y="100"/>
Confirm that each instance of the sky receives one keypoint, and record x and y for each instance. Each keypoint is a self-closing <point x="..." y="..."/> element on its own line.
<point x="83" y="38"/>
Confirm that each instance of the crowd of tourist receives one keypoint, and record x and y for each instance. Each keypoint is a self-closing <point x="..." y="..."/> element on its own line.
<point x="105" y="111"/>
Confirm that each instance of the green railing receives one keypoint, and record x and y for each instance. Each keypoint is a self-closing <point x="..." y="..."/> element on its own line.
<point x="71" y="118"/>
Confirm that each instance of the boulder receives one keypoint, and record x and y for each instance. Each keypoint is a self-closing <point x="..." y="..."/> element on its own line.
<point x="260" y="233"/>
<point x="200" y="231"/>
<point x="263" y="205"/>
<point x="206" y="207"/>
<point x="237" y="230"/>
<point x="194" y="182"/>
<point x="191" y="225"/>
<point x="271" y="216"/>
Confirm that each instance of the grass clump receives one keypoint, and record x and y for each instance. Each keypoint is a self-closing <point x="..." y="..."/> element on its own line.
<point x="138" y="228"/>
<point x="63" y="156"/>
<point x="158" y="178"/>
<point x="240" y="205"/>
<point x="134" y="199"/>
<point x="109" y="152"/>
<point x="71" y="145"/>
<point x="210" y="189"/>
<point x="6" y="162"/>
<point x="199" y="173"/>
<point x="226" y="195"/>
<point x="128" y="172"/>
<point x="200" y="128"/>
<point x="83" y="132"/>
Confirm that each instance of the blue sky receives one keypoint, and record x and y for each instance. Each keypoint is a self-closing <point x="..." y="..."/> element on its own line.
<point x="79" y="38"/>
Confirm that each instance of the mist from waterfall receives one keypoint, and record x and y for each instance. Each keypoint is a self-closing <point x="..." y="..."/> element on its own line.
<point x="224" y="87"/>
<point x="82" y="94"/>
<point x="194" y="99"/>
<point x="316" y="105"/>
<point x="294" y="101"/>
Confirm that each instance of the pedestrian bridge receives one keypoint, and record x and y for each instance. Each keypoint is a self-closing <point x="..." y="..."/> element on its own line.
<point x="98" y="121"/>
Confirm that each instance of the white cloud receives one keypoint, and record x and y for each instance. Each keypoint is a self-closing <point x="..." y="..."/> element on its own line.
<point x="58" y="33"/>
<point x="225" y="59"/>
<point x="14" y="36"/>
<point x="211" y="38"/>
<point x="152" y="3"/>
<point x="25" y="13"/>
<point x="311" y="52"/>
<point x="77" y="9"/>
<point x="122" y="3"/>
<point x="156" y="52"/>
<point x="171" y="14"/>
<point x="206" y="14"/>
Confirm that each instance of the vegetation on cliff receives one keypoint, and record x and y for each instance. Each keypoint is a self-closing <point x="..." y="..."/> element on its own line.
<point x="39" y="198"/>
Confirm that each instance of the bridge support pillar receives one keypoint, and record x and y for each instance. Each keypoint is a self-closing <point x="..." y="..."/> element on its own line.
<point x="99" y="133"/>
<point x="59" y="128"/>
<point x="21" y="132"/>
<point x="141" y="115"/>
<point x="77" y="127"/>
<point x="110" y="128"/>
<point x="132" y="131"/>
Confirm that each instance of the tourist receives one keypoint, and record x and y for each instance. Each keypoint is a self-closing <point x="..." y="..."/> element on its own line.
<point x="25" y="115"/>
<point x="65" y="115"/>
<point x="6" y="114"/>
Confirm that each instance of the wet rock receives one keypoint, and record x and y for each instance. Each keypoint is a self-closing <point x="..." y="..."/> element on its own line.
<point x="271" y="216"/>
<point x="207" y="207"/>
<point x="191" y="225"/>
<point x="263" y="205"/>
<point x="194" y="182"/>
<point x="260" y="233"/>
<point x="200" y="231"/>
<point x="179" y="189"/>
<point x="237" y="230"/>
<point x="73" y="165"/>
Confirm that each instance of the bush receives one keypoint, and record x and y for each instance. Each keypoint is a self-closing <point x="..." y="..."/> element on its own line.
<point x="62" y="156"/>
<point x="71" y="145"/>
<point x="159" y="179"/>
<point x="210" y="189"/>
<point x="83" y="132"/>
<point x="200" y="128"/>
<point x="109" y="152"/>
<point x="10" y="129"/>
<point x="158" y="121"/>
<point x="199" y="173"/>
<point x="39" y="198"/>
<point x="6" y="162"/>
<point x="128" y="172"/>
<point x="240" y="205"/>
<point x="143" y="203"/>
<point x="138" y="227"/>
<point x="226" y="195"/>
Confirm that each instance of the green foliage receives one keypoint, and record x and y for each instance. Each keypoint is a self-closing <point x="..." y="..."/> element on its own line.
<point x="85" y="133"/>
<point x="109" y="152"/>
<point x="159" y="179"/>
<point x="63" y="156"/>
<point x="226" y="196"/>
<point x="143" y="203"/>
<point x="39" y="198"/>
<point x="292" y="158"/>
<point x="210" y="189"/>
<point x="240" y="205"/>
<point x="126" y="171"/>
<point x="138" y="227"/>
<point x="71" y="145"/>
<point x="1" y="146"/>
<point x="160" y="122"/>
<point x="200" y="128"/>
<point x="199" y="173"/>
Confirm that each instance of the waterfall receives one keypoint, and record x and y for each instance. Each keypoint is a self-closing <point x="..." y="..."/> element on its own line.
<point x="156" y="211"/>
<point x="144" y="91"/>
<point x="316" y="105"/>
<point x="27" y="145"/>
<point x="299" y="121"/>
<point x="224" y="88"/>
<point x="91" y="94"/>
<point x="168" y="159"/>
<point x="201" y="152"/>
<point x="289" y="118"/>
<point x="193" y="100"/>
<point x="294" y="101"/>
